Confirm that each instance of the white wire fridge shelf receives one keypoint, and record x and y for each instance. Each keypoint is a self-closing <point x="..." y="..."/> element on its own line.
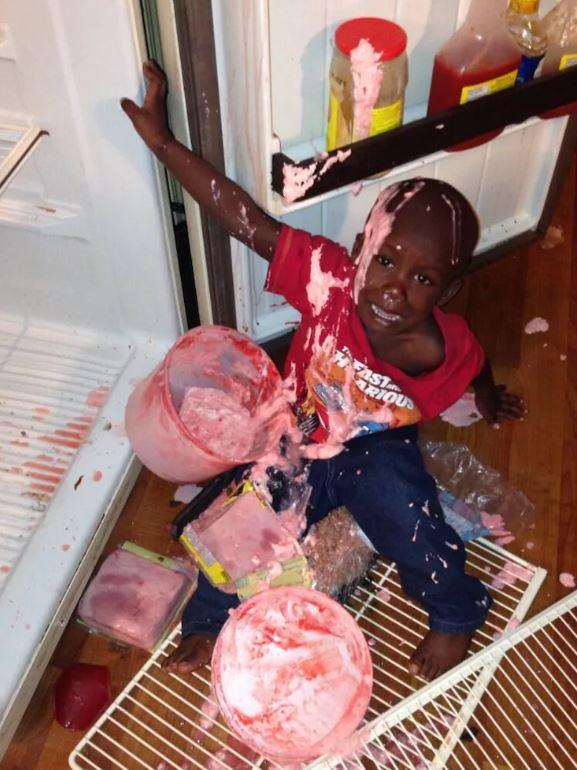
<point x="163" y="721"/>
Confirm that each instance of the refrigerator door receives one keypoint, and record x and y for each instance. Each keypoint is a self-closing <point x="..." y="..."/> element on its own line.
<point x="89" y="302"/>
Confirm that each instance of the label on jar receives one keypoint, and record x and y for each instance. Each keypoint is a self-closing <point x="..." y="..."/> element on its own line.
<point x="569" y="60"/>
<point x="333" y="123"/>
<point x="386" y="118"/>
<point x="470" y="93"/>
<point x="524" y="6"/>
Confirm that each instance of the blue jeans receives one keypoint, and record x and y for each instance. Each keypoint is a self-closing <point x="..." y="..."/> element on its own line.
<point x="381" y="479"/>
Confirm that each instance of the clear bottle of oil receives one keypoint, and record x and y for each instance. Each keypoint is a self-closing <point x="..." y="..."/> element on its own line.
<point x="528" y="31"/>
<point x="561" y="27"/>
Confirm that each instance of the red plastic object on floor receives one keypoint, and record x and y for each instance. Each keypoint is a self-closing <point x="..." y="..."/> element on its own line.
<point x="81" y="693"/>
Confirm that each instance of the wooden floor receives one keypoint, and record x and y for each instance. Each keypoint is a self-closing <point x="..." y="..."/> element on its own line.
<point x="538" y="455"/>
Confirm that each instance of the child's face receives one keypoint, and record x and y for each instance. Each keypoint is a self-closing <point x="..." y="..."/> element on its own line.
<point x="408" y="276"/>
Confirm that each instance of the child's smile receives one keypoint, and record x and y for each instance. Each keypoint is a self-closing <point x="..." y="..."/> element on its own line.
<point x="405" y="280"/>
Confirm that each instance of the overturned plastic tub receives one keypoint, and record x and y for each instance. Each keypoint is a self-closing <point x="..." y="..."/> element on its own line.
<point x="213" y="403"/>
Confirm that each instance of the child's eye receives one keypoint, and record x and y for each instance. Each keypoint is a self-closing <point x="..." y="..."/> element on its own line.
<point x="384" y="261"/>
<point x="424" y="280"/>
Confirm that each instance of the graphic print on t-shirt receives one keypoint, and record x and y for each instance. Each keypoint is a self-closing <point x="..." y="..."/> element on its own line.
<point x="378" y="401"/>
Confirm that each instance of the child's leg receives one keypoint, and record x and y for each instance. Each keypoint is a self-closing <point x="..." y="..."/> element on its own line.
<point x="383" y="483"/>
<point x="203" y="617"/>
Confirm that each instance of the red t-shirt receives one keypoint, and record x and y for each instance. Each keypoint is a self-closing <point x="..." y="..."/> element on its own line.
<point x="371" y="382"/>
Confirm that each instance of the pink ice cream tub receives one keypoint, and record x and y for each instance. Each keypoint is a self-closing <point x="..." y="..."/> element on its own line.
<point x="214" y="402"/>
<point x="292" y="674"/>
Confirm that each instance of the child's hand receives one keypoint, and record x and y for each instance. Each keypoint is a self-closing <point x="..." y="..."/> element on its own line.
<point x="496" y="404"/>
<point x="151" y="120"/>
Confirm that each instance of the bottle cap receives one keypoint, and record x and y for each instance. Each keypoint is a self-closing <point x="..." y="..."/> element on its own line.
<point x="524" y="6"/>
<point x="385" y="36"/>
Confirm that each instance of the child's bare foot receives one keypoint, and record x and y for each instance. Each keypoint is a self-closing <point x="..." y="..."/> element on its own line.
<point x="438" y="652"/>
<point x="192" y="653"/>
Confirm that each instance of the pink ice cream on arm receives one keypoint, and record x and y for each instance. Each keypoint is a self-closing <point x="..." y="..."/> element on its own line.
<point x="292" y="673"/>
<point x="367" y="75"/>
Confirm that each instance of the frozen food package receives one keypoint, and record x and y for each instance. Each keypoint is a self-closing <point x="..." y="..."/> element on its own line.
<point x="137" y="596"/>
<point x="241" y="545"/>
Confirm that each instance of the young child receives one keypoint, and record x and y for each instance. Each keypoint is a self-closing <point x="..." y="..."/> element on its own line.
<point x="371" y="330"/>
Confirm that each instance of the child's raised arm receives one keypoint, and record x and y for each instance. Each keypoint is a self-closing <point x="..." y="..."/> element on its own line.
<point x="217" y="194"/>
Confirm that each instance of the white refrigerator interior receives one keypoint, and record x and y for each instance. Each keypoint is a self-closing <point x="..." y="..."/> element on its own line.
<point x="89" y="303"/>
<point x="273" y="62"/>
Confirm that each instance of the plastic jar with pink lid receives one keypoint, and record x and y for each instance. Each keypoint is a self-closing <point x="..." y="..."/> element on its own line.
<point x="214" y="402"/>
<point x="292" y="674"/>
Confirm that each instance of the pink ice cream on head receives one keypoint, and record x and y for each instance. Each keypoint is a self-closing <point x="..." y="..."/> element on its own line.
<point x="367" y="75"/>
<point x="378" y="227"/>
<point x="292" y="673"/>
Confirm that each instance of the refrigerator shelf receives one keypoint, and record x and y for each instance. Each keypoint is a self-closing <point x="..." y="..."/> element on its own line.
<point x="166" y="721"/>
<point x="17" y="143"/>
<point x="420" y="138"/>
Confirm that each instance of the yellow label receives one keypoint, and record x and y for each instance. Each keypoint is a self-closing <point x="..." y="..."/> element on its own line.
<point x="214" y="571"/>
<point x="470" y="93"/>
<point x="386" y="118"/>
<point x="524" y="6"/>
<point x="333" y="123"/>
<point x="569" y="60"/>
<point x="295" y="572"/>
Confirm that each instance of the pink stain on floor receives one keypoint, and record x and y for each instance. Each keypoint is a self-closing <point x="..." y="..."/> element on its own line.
<point x="510" y="573"/>
<point x="384" y="596"/>
<point x="567" y="580"/>
<point x="537" y="325"/>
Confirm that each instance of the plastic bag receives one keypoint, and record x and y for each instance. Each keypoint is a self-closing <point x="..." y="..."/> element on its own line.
<point x="137" y="595"/>
<point x="493" y="507"/>
<point x="243" y="546"/>
<point x="338" y="553"/>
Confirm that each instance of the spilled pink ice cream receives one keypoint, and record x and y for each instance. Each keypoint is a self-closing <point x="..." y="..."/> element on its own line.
<point x="219" y="420"/>
<point x="367" y="75"/>
<point x="292" y="673"/>
<point x="320" y="283"/>
<point x="132" y="599"/>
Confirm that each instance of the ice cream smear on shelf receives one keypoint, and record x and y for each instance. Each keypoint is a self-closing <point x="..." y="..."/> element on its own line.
<point x="297" y="180"/>
<point x="292" y="673"/>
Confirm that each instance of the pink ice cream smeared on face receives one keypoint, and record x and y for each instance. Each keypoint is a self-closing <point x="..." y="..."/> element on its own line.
<point x="367" y="75"/>
<point x="292" y="673"/>
<point x="321" y="283"/>
<point x="377" y="229"/>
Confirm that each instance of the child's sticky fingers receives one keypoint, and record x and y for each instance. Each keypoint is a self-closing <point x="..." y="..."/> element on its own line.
<point x="130" y="108"/>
